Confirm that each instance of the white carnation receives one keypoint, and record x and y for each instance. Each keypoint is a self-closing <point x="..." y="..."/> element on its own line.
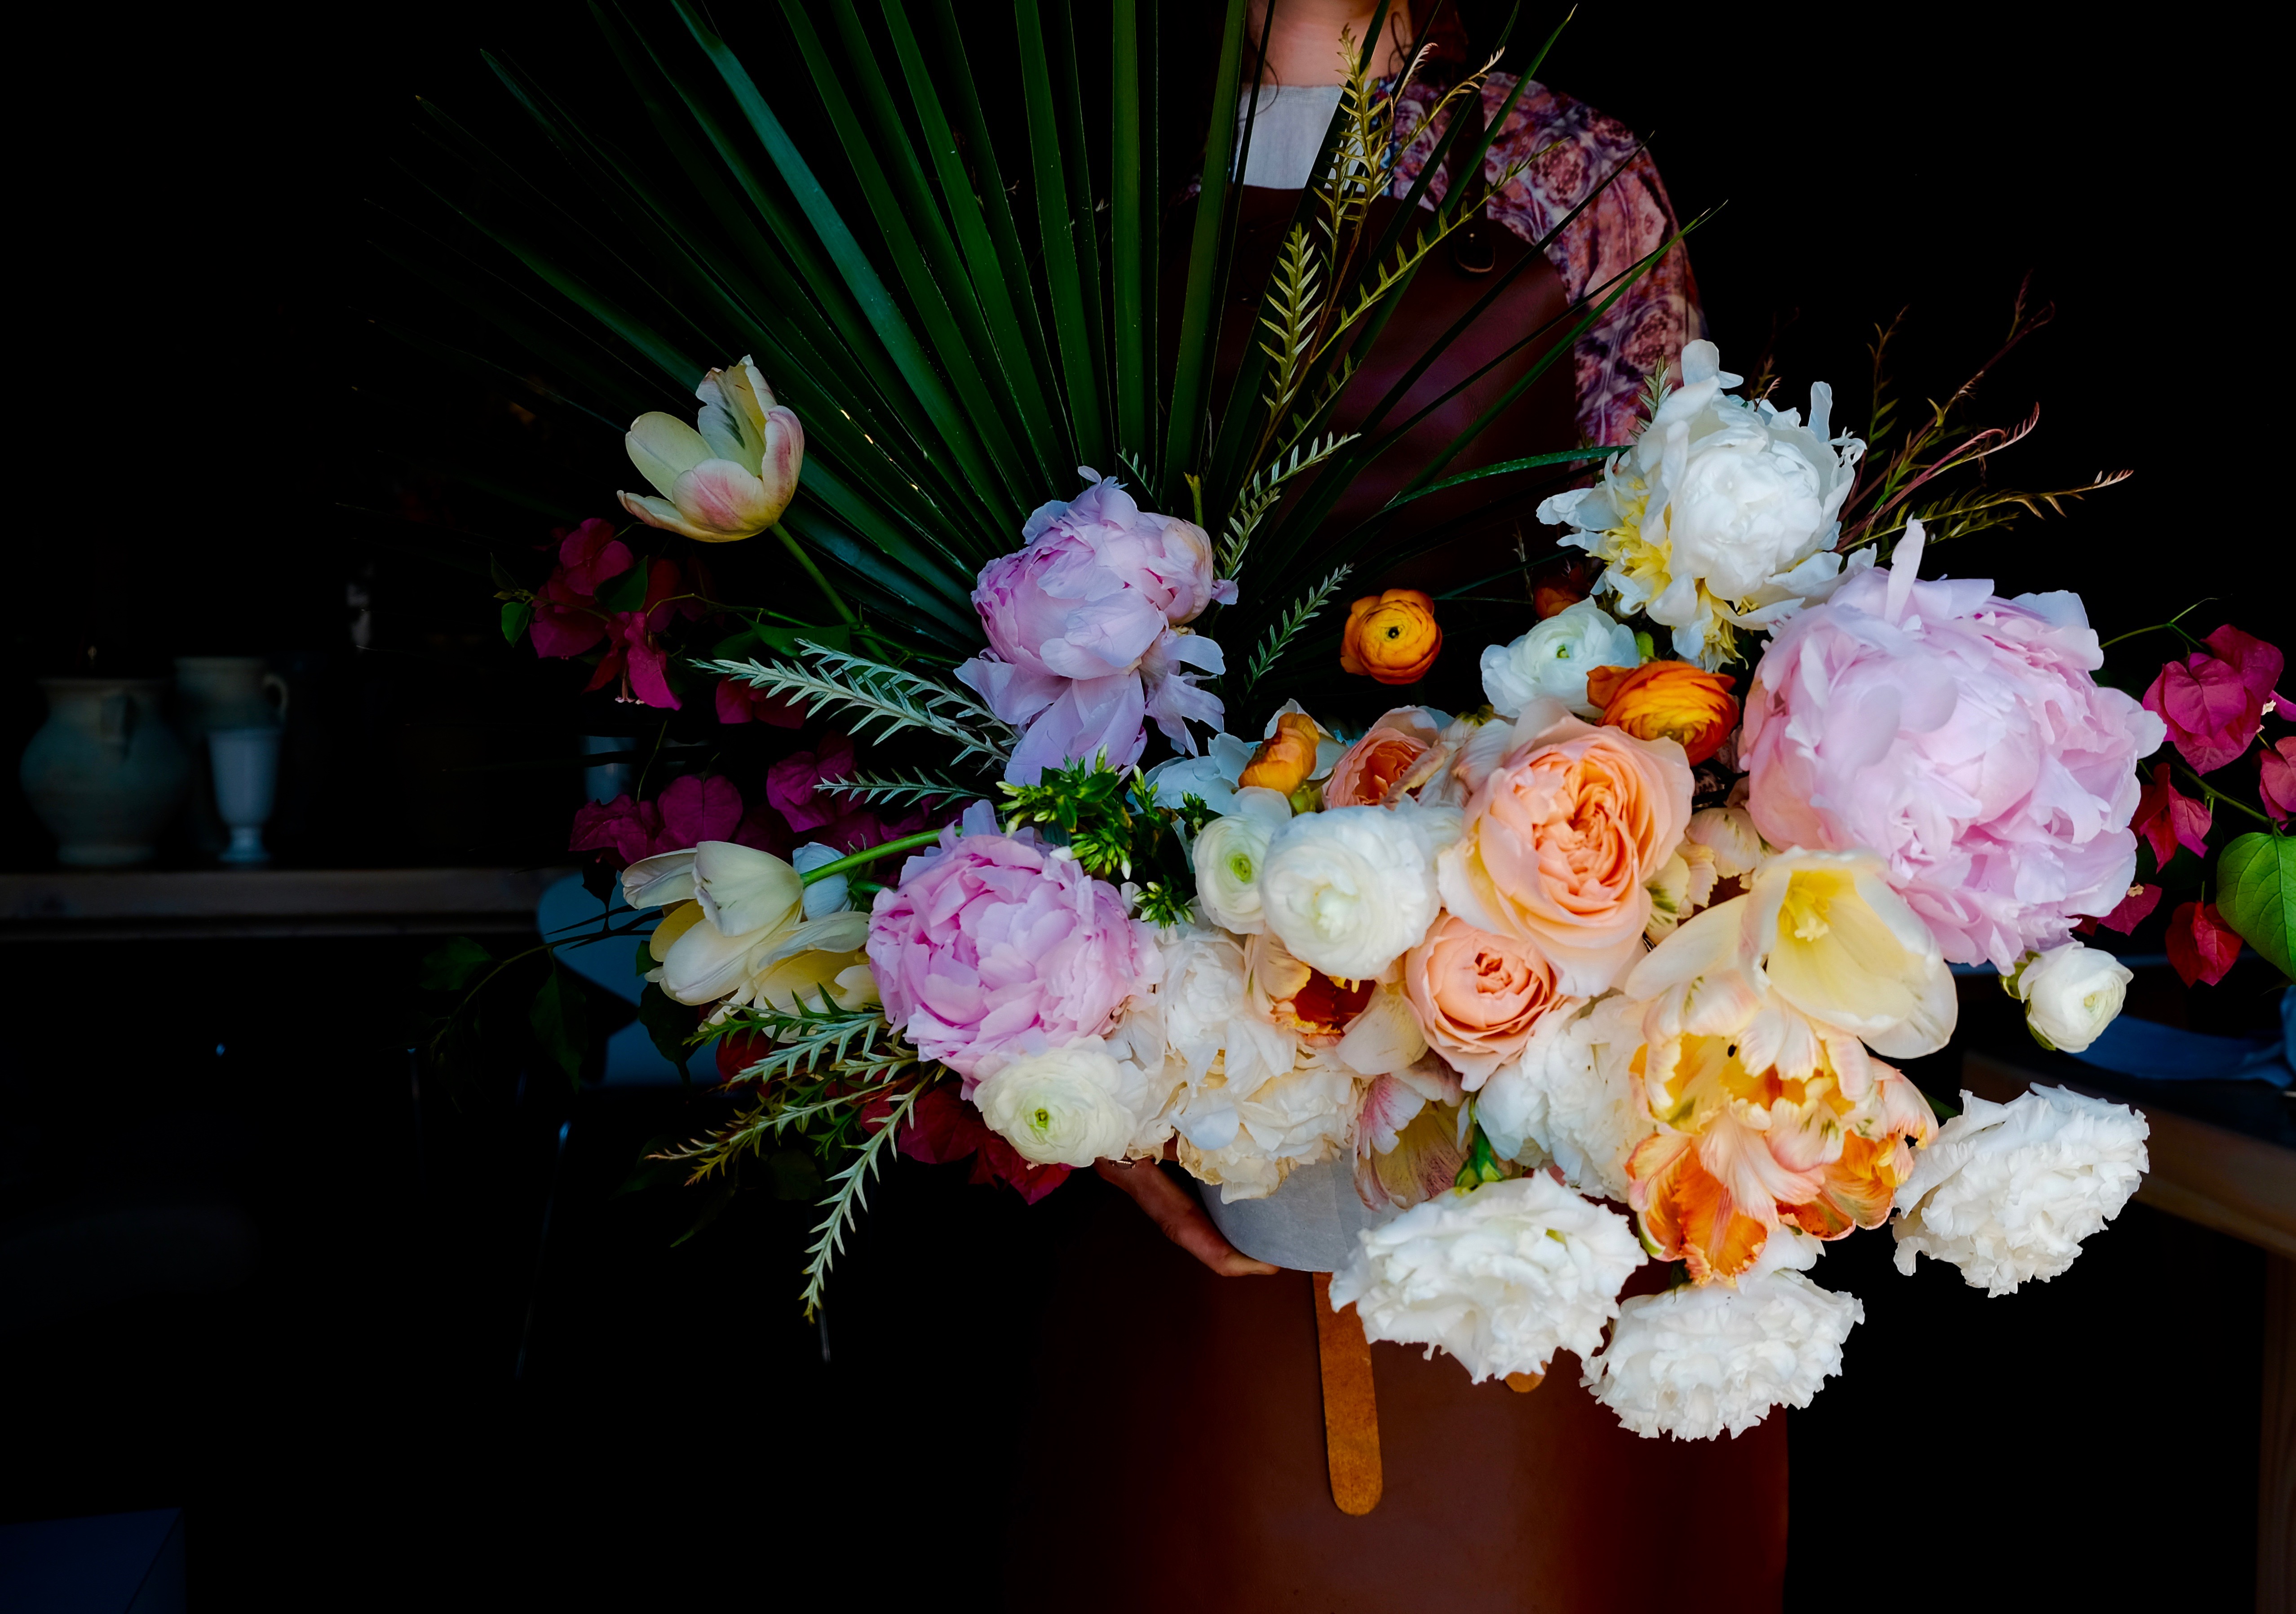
<point x="1352" y="890"/>
<point x="1573" y="1096"/>
<point x="1231" y="856"/>
<point x="1248" y="1143"/>
<point x="1552" y="661"/>
<point x="2071" y="994"/>
<point x="1500" y="1276"/>
<point x="1700" y="1359"/>
<point x="1722" y="515"/>
<point x="1071" y="1106"/>
<point x="2008" y="1191"/>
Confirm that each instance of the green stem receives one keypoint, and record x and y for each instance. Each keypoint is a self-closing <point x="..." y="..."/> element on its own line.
<point x="924" y="837"/>
<point x="2171" y="625"/>
<point x="789" y="542"/>
<point x="2215" y="796"/>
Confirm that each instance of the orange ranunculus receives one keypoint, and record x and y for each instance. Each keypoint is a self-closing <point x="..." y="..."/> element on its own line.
<point x="1286" y="759"/>
<point x="1391" y="637"/>
<point x="1401" y="744"/>
<point x="1561" y="590"/>
<point x="1476" y="995"/>
<point x="1667" y="701"/>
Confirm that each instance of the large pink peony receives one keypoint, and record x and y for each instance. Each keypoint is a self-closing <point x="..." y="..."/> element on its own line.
<point x="992" y="946"/>
<point x="1081" y="629"/>
<point x="1960" y="735"/>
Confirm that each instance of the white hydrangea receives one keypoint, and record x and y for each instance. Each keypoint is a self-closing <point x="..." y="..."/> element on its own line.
<point x="1552" y="661"/>
<point x="1500" y="1276"/>
<point x="1075" y="1105"/>
<point x="1573" y="1096"/>
<point x="1352" y="890"/>
<point x="1249" y="1142"/>
<point x="2007" y="1192"/>
<point x="1700" y="1359"/>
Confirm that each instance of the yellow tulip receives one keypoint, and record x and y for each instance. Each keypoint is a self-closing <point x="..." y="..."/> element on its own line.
<point x="733" y="476"/>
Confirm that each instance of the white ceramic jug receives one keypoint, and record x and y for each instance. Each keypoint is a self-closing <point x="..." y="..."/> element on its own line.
<point x="104" y="773"/>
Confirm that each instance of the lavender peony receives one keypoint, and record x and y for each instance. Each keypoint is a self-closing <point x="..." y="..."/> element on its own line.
<point x="1960" y="735"/>
<point x="993" y="946"/>
<point x="1081" y="630"/>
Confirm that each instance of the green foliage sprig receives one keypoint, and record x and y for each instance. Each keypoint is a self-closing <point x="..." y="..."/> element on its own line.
<point x="1109" y="819"/>
<point x="1281" y="633"/>
<point x="887" y="699"/>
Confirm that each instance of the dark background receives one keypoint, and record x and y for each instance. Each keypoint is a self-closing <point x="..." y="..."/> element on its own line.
<point x="334" y="1397"/>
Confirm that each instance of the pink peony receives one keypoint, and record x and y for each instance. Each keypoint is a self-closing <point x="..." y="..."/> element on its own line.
<point x="992" y="946"/>
<point x="2214" y="703"/>
<point x="1960" y="735"/>
<point x="1079" y="624"/>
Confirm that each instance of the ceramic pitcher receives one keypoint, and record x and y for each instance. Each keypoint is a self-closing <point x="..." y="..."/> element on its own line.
<point x="215" y="693"/>
<point x="104" y="773"/>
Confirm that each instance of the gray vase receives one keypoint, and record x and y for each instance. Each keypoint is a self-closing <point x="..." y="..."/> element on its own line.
<point x="105" y="772"/>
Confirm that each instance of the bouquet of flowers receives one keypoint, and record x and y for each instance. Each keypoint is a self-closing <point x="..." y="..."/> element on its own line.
<point x="1608" y="969"/>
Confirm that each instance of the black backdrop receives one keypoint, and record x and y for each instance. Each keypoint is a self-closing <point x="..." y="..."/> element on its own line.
<point x="202" y="338"/>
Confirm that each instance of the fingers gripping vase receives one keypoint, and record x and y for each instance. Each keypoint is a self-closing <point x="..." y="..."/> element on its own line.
<point x="104" y="773"/>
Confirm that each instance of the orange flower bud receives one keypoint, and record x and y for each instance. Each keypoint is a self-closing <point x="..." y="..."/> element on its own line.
<point x="1285" y="758"/>
<point x="1667" y="700"/>
<point x="1561" y="590"/>
<point x="1391" y="637"/>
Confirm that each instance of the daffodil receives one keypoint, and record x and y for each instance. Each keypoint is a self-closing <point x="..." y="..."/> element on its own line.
<point x="728" y="476"/>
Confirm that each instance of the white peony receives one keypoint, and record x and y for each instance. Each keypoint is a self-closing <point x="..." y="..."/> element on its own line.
<point x="1352" y="890"/>
<point x="2007" y="1192"/>
<point x="1698" y="1360"/>
<point x="1552" y="661"/>
<point x="2071" y="994"/>
<point x="1071" y="1106"/>
<point x="1501" y="1276"/>
<point x="1248" y="1143"/>
<point x="1230" y="856"/>
<point x="1210" y="1021"/>
<point x="1724" y="514"/>
<point x="1573" y="1097"/>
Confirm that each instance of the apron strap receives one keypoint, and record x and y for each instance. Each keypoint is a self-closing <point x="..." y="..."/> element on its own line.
<point x="1350" y="1412"/>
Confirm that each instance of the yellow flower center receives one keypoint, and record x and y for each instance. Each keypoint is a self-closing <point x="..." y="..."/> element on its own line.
<point x="1804" y="911"/>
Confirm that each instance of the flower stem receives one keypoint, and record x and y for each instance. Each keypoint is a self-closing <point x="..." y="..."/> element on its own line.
<point x="922" y="837"/>
<point x="2215" y="796"/>
<point x="789" y="542"/>
<point x="2171" y="625"/>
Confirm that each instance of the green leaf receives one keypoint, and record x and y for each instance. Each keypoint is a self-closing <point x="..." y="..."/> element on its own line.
<point x="515" y="616"/>
<point x="627" y="592"/>
<point x="450" y="967"/>
<point x="669" y="1022"/>
<point x="560" y="1021"/>
<point x="2256" y="895"/>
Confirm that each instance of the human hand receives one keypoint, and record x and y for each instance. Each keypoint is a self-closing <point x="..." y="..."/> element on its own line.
<point x="1175" y="1209"/>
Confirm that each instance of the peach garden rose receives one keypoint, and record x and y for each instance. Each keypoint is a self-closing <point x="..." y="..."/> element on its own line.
<point x="1476" y="995"/>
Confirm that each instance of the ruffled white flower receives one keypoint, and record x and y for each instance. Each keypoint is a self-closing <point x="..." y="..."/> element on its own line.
<point x="1698" y="1360"/>
<point x="1722" y="517"/>
<point x="1232" y="853"/>
<point x="1501" y="1276"/>
<point x="1573" y="1097"/>
<point x="1248" y="1143"/>
<point x="1211" y="1022"/>
<point x="1729" y="834"/>
<point x="2007" y="1192"/>
<point x="2070" y="993"/>
<point x="1552" y="661"/>
<point x="1211" y="776"/>
<point x="1070" y="1106"/>
<point x="1683" y="884"/>
<point x="1352" y="890"/>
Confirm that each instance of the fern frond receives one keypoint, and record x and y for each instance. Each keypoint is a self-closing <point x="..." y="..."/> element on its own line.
<point x="849" y="1196"/>
<point x="1264" y="491"/>
<point x="1959" y="514"/>
<point x="898" y="790"/>
<point x="1279" y="635"/>
<point x="890" y="699"/>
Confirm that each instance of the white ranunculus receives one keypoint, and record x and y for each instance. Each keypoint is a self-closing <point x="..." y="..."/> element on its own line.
<point x="1723" y="514"/>
<point x="1248" y="1143"/>
<point x="1552" y="661"/>
<point x="2071" y="994"/>
<point x="1573" y="1097"/>
<point x="2007" y="1192"/>
<point x="1500" y="1276"/>
<point x="1068" y="1105"/>
<point x="1698" y="1360"/>
<point x="1352" y="890"/>
<point x="1231" y="855"/>
<point x="832" y="894"/>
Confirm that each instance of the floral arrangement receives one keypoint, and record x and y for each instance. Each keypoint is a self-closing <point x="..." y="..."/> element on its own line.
<point x="1609" y="969"/>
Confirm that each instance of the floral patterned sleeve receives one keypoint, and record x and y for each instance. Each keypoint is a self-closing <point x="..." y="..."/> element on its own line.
<point x="1570" y="148"/>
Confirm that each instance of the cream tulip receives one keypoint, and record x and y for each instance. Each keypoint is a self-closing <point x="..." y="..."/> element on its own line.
<point x="742" y="889"/>
<point x="731" y="474"/>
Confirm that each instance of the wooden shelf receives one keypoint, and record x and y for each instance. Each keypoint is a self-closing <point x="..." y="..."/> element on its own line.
<point x="189" y="904"/>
